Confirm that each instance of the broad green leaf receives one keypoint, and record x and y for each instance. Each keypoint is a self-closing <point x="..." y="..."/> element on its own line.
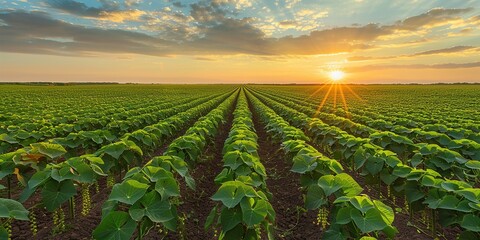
<point x="315" y="197"/>
<point x="167" y="186"/>
<point x="210" y="218"/>
<point x="49" y="149"/>
<point x="230" y="194"/>
<point x="473" y="164"/>
<point x="64" y="173"/>
<point x="372" y="221"/>
<point x="115" y="149"/>
<point x="55" y="193"/>
<point x="115" y="226"/>
<point x="343" y="216"/>
<point x="331" y="234"/>
<point x="362" y="203"/>
<point x="38" y="178"/>
<point x="387" y="212"/>
<point x="153" y="207"/>
<point x="349" y="186"/>
<point x="230" y="218"/>
<point x="236" y="233"/>
<point x="254" y="210"/>
<point x="129" y="191"/>
<point x="82" y="171"/>
<point x="471" y="222"/>
<point x="328" y="184"/>
<point x="12" y="209"/>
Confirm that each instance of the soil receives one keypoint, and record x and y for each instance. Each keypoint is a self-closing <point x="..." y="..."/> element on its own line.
<point x="292" y="222"/>
<point x="408" y="228"/>
<point x="81" y="227"/>
<point x="196" y="204"/>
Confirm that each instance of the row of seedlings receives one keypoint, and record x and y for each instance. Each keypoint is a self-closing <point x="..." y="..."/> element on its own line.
<point x="245" y="211"/>
<point x="58" y="178"/>
<point x="336" y="194"/>
<point x="448" y="202"/>
<point x="148" y="196"/>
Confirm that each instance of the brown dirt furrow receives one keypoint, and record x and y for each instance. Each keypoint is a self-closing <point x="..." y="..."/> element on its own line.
<point x="292" y="222"/>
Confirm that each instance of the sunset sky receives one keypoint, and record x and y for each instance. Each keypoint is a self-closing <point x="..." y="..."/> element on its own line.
<point x="240" y="41"/>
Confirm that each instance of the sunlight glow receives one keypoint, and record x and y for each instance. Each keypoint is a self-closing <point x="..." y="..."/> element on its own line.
<point x="336" y="75"/>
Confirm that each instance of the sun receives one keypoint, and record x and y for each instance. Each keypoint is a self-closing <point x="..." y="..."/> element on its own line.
<point x="336" y="75"/>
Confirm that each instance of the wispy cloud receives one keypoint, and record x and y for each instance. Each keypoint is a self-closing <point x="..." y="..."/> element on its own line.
<point x="414" y="66"/>
<point x="109" y="11"/>
<point x="209" y="29"/>
<point x="450" y="50"/>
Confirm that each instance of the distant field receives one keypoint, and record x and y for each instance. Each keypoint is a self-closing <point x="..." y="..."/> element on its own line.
<point x="240" y="162"/>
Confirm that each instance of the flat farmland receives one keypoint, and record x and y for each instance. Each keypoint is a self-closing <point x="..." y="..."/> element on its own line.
<point x="332" y="161"/>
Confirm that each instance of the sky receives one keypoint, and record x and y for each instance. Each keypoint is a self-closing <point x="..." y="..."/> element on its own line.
<point x="240" y="41"/>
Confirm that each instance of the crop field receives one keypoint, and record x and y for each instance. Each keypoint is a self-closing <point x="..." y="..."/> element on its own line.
<point x="240" y="162"/>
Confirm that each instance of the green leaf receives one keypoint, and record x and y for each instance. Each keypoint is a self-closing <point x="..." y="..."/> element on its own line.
<point x="367" y="238"/>
<point x="232" y="159"/>
<point x="343" y="216"/>
<point x="372" y="221"/>
<point x="62" y="174"/>
<point x="94" y="159"/>
<point x="315" y="197"/>
<point x="55" y="193"/>
<point x="153" y="207"/>
<point x="38" y="178"/>
<point x="3" y="233"/>
<point x="115" y="149"/>
<point x="210" y="218"/>
<point x="98" y="170"/>
<point x="350" y="187"/>
<point x="49" y="149"/>
<point x="129" y="191"/>
<point x="331" y="234"/>
<point x="362" y="203"/>
<point x="230" y="218"/>
<point x="303" y="163"/>
<point x="374" y="165"/>
<point x="254" y="210"/>
<point x="473" y="164"/>
<point x="236" y="233"/>
<point x="115" y="226"/>
<point x="83" y="173"/>
<point x="167" y="186"/>
<point x="230" y="194"/>
<point x="472" y="194"/>
<point x="387" y="212"/>
<point x="12" y="209"/>
<point x="471" y="222"/>
<point x="328" y="184"/>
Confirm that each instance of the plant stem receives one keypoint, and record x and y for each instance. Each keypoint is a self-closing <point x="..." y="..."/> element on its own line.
<point x="9" y="186"/>
<point x="139" y="229"/>
<point x="433" y="222"/>
<point x="71" y="208"/>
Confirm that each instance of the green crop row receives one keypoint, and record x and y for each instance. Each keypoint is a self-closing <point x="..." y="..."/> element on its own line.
<point x="456" y="202"/>
<point x="57" y="179"/>
<point x="148" y="194"/>
<point x="245" y="211"/>
<point x="327" y="187"/>
<point x="447" y="162"/>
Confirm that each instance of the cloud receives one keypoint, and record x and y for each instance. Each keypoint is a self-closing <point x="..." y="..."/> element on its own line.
<point x="109" y="11"/>
<point x="414" y="66"/>
<point x="445" y="50"/>
<point x="130" y="3"/>
<point x="432" y="18"/>
<point x="450" y="50"/>
<point x="209" y="29"/>
<point x="37" y="32"/>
